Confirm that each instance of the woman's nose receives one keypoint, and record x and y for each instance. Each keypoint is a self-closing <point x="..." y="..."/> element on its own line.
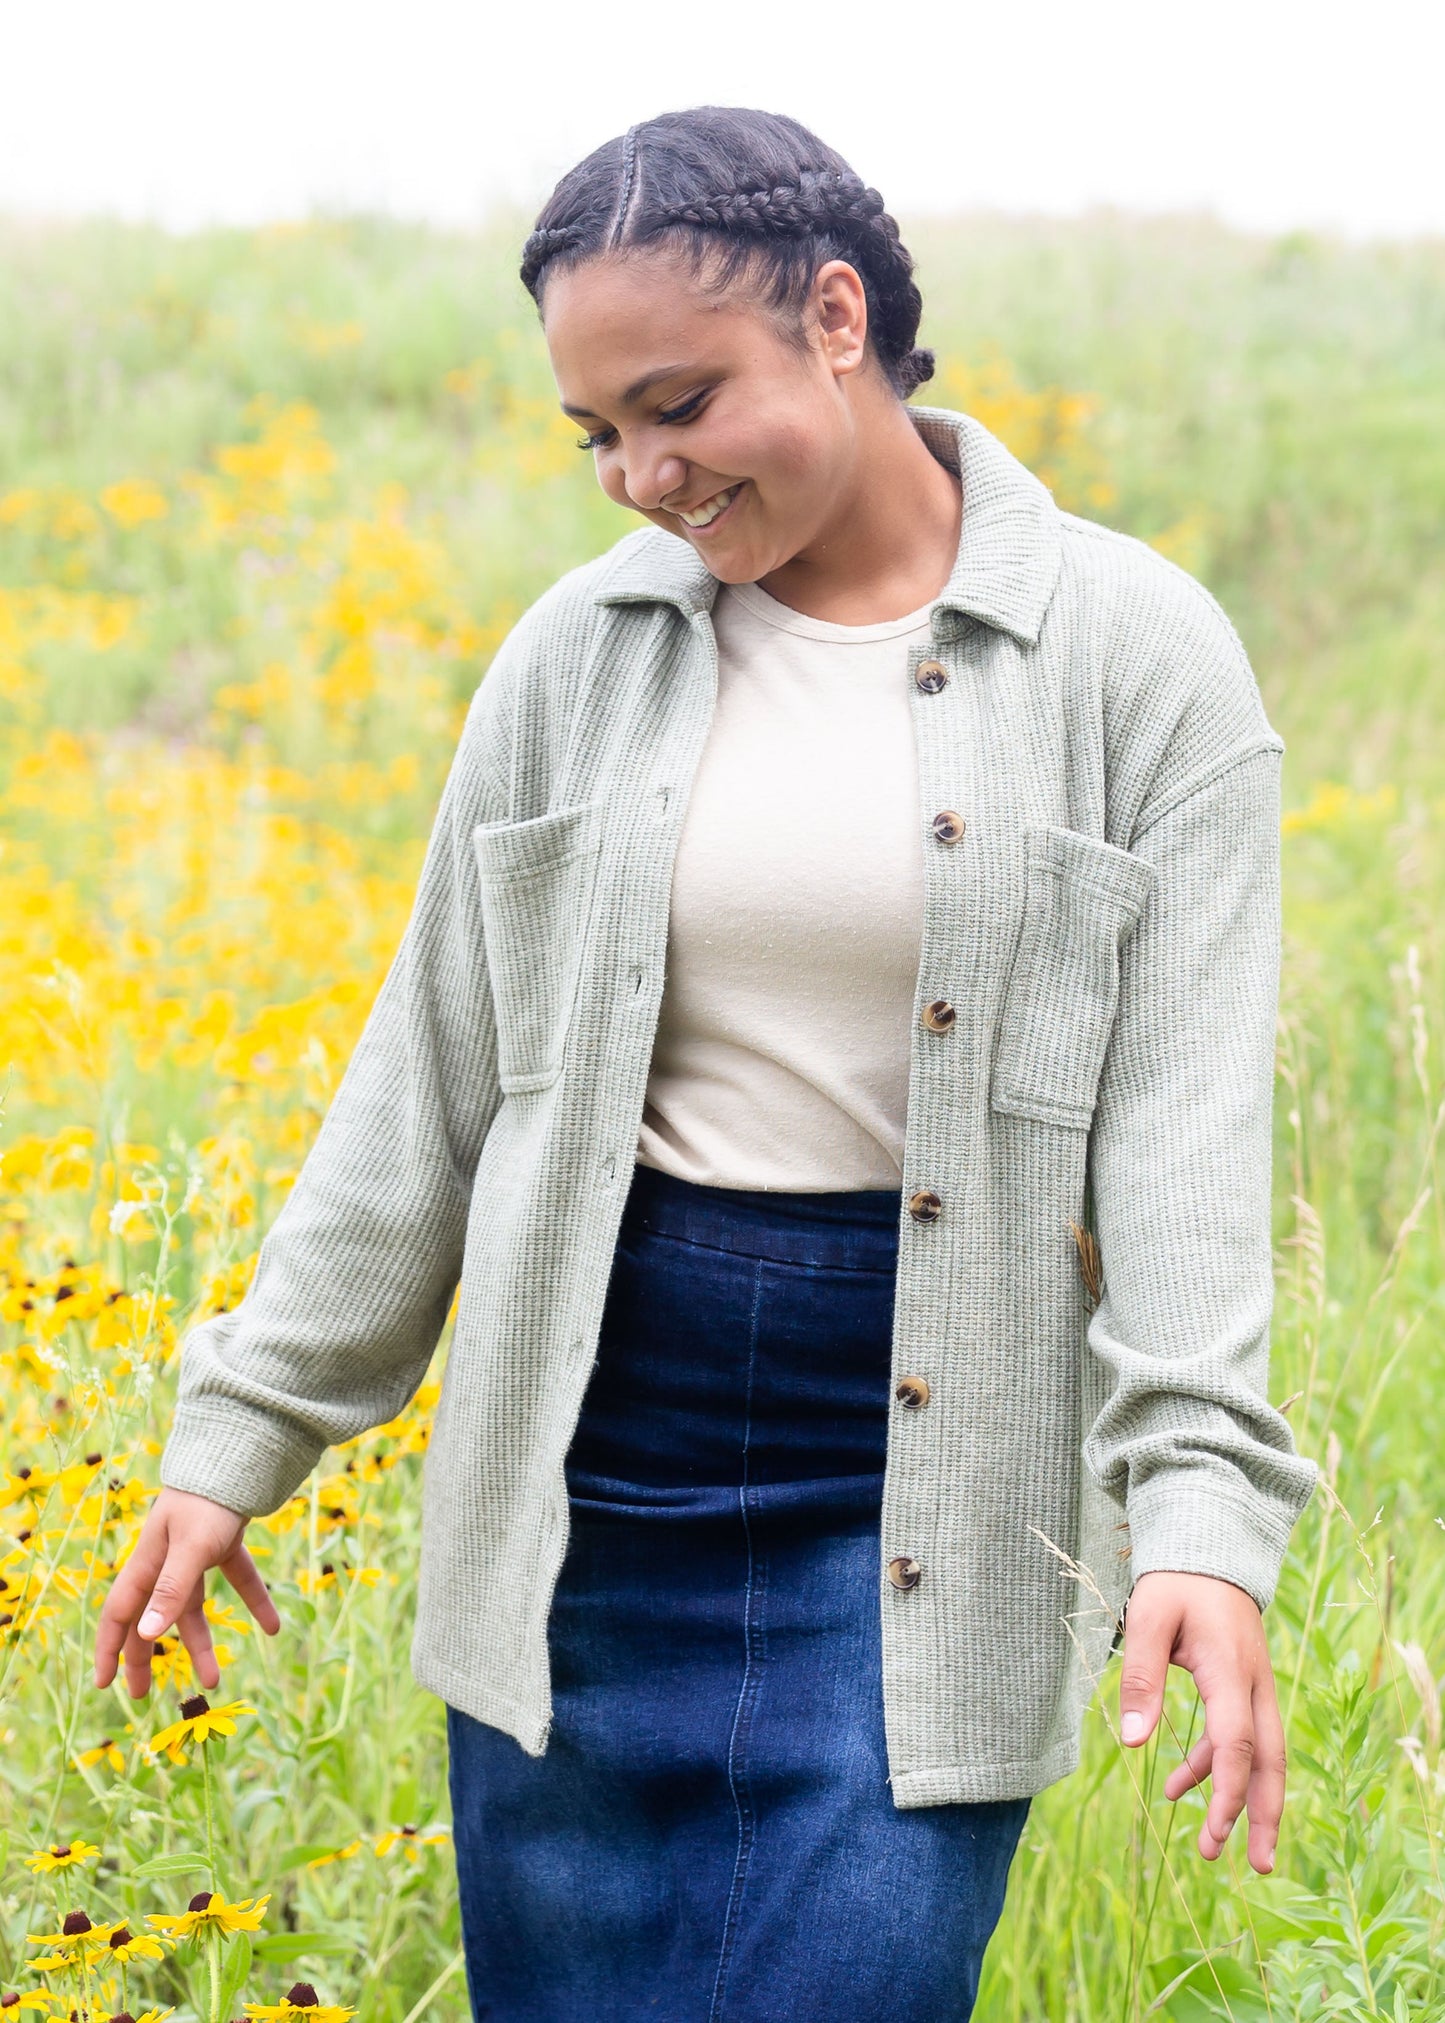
<point x="650" y="480"/>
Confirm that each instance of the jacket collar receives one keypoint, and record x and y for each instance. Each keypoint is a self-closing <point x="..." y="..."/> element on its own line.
<point x="1009" y="549"/>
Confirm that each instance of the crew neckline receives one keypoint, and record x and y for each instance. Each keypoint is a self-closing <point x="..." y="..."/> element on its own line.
<point x="755" y="599"/>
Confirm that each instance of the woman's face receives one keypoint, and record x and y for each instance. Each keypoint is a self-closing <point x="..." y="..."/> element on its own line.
<point x="694" y="400"/>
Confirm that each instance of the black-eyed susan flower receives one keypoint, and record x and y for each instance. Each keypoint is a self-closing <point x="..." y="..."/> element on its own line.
<point x="410" y="1838"/>
<point x="107" y="1749"/>
<point x="208" y="1910"/>
<point x="38" y="2000"/>
<point x="300" y="2000"/>
<point x="199" y="1721"/>
<point x="336" y="1854"/>
<point x="124" y="1944"/>
<point x="65" y="1854"/>
<point x="125" y="2016"/>
<point x="75" y="1943"/>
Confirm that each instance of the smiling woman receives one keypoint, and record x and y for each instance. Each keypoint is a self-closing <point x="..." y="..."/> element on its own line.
<point x="767" y="295"/>
<point x="849" y="936"/>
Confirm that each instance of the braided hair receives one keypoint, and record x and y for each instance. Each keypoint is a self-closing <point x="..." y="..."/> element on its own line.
<point x="741" y="195"/>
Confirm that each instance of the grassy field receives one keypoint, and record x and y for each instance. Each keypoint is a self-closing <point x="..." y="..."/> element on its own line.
<point x="268" y="501"/>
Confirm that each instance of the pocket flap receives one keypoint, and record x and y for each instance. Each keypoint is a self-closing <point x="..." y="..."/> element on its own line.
<point x="540" y="843"/>
<point x="1093" y="865"/>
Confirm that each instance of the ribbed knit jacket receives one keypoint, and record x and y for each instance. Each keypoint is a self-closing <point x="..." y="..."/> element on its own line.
<point x="1103" y="915"/>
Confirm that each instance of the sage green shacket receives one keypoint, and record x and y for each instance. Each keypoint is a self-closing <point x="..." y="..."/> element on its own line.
<point x="1107" y="927"/>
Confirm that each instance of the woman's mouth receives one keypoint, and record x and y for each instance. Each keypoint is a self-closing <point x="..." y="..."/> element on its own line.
<point x="703" y="518"/>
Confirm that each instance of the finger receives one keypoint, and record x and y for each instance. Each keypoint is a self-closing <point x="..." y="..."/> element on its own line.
<point x="1149" y="1634"/>
<point x="126" y="1598"/>
<point x="181" y="1578"/>
<point x="1229" y="1724"/>
<point x="1192" y="1771"/>
<point x="140" y="1651"/>
<point x="245" y="1577"/>
<point x="195" y="1633"/>
<point x="1266" y="1785"/>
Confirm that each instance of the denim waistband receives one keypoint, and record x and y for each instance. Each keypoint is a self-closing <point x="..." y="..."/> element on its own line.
<point x="854" y="1229"/>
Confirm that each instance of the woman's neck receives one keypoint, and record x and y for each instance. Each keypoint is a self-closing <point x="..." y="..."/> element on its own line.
<point x="889" y="545"/>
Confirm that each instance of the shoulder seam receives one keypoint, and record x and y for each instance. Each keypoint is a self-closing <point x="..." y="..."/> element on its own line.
<point x="1205" y="776"/>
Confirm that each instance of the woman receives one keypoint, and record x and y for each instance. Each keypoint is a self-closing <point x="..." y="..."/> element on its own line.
<point x="848" y="889"/>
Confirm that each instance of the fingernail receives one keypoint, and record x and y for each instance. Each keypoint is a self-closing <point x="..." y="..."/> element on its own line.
<point x="150" y="1622"/>
<point x="1134" y="1727"/>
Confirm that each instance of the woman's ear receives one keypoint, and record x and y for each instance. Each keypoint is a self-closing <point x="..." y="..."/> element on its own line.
<point x="840" y="306"/>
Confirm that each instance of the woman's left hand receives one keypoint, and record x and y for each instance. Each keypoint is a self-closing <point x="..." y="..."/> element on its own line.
<point x="1214" y="1630"/>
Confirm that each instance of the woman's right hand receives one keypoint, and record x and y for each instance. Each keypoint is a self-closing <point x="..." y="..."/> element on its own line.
<point x="164" y="1582"/>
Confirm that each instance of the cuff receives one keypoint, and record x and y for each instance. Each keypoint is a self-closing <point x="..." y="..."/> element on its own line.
<point x="1180" y="1522"/>
<point x="238" y="1455"/>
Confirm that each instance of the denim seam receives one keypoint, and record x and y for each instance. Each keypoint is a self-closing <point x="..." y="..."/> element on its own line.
<point x="747" y="1697"/>
<point x="793" y="1263"/>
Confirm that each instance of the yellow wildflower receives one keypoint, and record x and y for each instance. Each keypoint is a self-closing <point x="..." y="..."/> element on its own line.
<point x="410" y="1839"/>
<point x="199" y="1720"/>
<point x="300" y="2000"/>
<point x="76" y="1935"/>
<point x="209" y="1910"/>
<point x="124" y="1944"/>
<point x="66" y="1854"/>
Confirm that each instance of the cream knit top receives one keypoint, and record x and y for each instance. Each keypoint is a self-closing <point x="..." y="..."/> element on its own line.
<point x="784" y="1036"/>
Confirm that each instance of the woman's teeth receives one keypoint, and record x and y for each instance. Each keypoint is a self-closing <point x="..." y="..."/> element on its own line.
<point x="703" y="515"/>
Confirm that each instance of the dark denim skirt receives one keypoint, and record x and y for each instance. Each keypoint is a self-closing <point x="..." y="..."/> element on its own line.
<point x="710" y="1836"/>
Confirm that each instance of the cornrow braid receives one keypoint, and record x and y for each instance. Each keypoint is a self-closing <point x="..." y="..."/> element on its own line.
<point x="539" y="246"/>
<point x="819" y="197"/>
<point x="743" y="194"/>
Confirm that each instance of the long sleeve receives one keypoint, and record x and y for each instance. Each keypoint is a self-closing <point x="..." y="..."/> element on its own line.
<point x="356" y="1273"/>
<point x="1180" y="1155"/>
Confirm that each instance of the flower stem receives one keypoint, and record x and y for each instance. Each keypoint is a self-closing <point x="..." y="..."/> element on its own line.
<point x="213" y="1942"/>
<point x="210" y="1812"/>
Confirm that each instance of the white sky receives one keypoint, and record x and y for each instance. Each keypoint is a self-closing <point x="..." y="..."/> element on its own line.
<point x="1270" y="114"/>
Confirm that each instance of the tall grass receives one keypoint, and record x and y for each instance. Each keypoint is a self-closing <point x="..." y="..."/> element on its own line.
<point x="268" y="501"/>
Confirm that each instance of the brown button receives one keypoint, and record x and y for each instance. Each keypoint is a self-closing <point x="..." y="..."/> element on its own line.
<point x="930" y="676"/>
<point x="925" y="1205"/>
<point x="912" y="1392"/>
<point x="904" y="1572"/>
<point x="948" y="826"/>
<point x="939" y="1015"/>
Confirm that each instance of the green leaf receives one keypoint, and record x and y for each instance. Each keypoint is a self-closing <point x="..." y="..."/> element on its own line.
<point x="236" y="1971"/>
<point x="278" y="1948"/>
<point x="169" y="1864"/>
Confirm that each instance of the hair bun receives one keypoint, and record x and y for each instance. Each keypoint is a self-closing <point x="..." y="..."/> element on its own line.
<point x="918" y="367"/>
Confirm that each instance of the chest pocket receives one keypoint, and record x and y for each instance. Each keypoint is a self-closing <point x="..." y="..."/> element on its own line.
<point x="1082" y="901"/>
<point x="536" y="881"/>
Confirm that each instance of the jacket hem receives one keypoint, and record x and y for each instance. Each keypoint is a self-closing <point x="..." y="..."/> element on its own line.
<point x="497" y="1710"/>
<point x="984" y="1783"/>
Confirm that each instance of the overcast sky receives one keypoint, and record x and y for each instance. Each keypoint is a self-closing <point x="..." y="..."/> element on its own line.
<point x="1266" y="112"/>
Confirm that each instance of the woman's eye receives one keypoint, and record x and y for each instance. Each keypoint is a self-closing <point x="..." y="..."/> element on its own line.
<point x="683" y="413"/>
<point x="604" y="436"/>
